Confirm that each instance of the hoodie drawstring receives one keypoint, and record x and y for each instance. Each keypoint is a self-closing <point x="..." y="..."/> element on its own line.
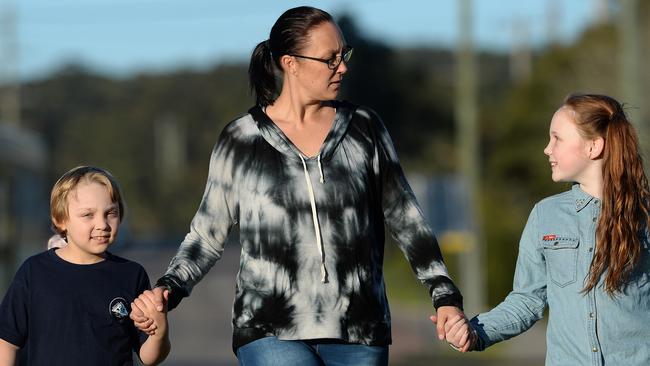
<point x="314" y="216"/>
<point x="320" y="170"/>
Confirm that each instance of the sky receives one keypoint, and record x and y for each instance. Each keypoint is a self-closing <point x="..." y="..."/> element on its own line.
<point x="123" y="37"/>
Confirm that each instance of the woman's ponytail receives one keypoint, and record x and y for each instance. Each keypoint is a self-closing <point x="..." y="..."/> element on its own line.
<point x="288" y="35"/>
<point x="261" y="74"/>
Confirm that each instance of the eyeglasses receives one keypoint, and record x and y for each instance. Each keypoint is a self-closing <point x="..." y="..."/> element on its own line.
<point x="334" y="61"/>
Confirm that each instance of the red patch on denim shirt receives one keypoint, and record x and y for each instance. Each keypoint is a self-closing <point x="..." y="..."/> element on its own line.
<point x="549" y="237"/>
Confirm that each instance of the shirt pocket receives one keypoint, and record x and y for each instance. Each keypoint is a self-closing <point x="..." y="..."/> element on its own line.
<point x="562" y="260"/>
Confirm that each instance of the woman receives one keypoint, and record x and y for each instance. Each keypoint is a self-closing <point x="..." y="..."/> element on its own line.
<point x="310" y="181"/>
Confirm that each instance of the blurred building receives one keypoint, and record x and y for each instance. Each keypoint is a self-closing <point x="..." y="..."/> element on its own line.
<point x="23" y="201"/>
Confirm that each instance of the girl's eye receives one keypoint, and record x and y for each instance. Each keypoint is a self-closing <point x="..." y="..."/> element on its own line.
<point x="112" y="214"/>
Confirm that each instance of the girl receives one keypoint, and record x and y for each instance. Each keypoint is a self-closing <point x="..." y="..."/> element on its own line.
<point x="70" y="305"/>
<point x="584" y="253"/>
<point x="309" y="182"/>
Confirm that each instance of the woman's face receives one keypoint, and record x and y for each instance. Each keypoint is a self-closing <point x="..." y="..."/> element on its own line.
<point x="314" y="78"/>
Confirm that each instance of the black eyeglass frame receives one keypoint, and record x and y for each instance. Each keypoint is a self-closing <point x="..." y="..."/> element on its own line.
<point x="333" y="62"/>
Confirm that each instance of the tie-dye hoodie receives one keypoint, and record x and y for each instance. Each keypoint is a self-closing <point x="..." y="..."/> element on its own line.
<point x="311" y="231"/>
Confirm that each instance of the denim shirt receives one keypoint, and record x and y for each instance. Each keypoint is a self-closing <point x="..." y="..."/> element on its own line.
<point x="555" y="254"/>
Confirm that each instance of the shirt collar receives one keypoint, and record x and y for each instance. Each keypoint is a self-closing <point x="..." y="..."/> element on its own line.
<point x="580" y="197"/>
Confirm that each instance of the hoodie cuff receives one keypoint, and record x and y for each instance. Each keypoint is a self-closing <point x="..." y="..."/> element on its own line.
<point x="176" y="291"/>
<point x="453" y="299"/>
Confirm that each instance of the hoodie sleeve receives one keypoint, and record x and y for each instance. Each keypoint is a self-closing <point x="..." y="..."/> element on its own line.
<point x="407" y="225"/>
<point x="210" y="227"/>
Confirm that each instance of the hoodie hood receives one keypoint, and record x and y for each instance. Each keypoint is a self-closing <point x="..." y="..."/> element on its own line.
<point x="276" y="138"/>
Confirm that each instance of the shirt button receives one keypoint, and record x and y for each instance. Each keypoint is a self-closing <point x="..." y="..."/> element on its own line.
<point x="594" y="349"/>
<point x="591" y="315"/>
<point x="590" y="249"/>
<point x="594" y="219"/>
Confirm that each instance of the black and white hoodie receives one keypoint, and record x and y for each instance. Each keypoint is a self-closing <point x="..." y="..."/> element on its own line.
<point x="311" y="231"/>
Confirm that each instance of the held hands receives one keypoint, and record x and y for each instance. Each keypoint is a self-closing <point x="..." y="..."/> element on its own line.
<point x="149" y="311"/>
<point x="453" y="326"/>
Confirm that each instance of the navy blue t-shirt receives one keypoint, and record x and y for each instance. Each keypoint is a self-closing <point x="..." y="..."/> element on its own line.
<point x="69" y="314"/>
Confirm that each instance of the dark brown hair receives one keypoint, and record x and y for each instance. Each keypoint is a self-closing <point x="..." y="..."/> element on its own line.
<point x="624" y="215"/>
<point x="288" y="36"/>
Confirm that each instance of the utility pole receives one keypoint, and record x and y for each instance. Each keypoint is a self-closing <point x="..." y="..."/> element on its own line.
<point x="466" y="106"/>
<point x="553" y="22"/>
<point x="9" y="79"/>
<point x="521" y="58"/>
<point x="170" y="139"/>
<point x="631" y="84"/>
<point x="602" y="12"/>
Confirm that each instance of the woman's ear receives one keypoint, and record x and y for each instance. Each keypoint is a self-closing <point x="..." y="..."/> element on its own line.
<point x="288" y="64"/>
<point x="596" y="148"/>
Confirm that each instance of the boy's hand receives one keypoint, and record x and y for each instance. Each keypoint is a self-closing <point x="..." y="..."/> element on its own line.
<point x="156" y="348"/>
<point x="144" y="307"/>
<point x="139" y="308"/>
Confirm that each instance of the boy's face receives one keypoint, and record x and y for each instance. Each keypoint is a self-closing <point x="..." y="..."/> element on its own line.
<point x="93" y="220"/>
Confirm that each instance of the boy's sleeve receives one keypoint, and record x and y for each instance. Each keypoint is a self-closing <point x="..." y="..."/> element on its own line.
<point x="14" y="310"/>
<point x="406" y="223"/>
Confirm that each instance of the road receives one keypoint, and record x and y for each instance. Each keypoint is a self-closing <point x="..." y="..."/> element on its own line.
<point x="201" y="328"/>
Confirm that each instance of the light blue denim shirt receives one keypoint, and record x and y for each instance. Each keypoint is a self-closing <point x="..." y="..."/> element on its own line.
<point x="555" y="253"/>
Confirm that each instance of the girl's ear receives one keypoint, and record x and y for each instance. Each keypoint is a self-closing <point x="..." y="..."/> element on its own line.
<point x="596" y="148"/>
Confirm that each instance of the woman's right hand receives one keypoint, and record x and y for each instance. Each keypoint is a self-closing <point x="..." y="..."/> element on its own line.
<point x="141" y="321"/>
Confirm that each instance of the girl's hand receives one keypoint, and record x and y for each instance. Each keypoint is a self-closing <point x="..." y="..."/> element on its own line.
<point x="443" y="314"/>
<point x="457" y="331"/>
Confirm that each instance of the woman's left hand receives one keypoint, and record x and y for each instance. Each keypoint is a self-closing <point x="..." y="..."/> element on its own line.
<point x="452" y="325"/>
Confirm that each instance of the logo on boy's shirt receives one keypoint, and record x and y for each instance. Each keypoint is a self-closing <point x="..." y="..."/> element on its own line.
<point x="118" y="309"/>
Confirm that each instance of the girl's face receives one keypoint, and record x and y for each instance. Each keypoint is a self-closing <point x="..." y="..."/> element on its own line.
<point x="315" y="79"/>
<point x="93" y="221"/>
<point x="567" y="151"/>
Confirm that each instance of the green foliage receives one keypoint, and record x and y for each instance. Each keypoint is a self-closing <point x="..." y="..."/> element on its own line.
<point x="92" y="119"/>
<point x="88" y="119"/>
<point x="514" y="133"/>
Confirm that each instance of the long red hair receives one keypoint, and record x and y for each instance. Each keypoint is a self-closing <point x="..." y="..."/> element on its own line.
<point x="624" y="215"/>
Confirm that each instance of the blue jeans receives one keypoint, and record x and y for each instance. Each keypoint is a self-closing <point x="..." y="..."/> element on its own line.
<point x="271" y="351"/>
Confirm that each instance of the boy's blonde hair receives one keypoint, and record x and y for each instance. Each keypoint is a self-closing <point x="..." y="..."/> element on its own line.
<point x="69" y="181"/>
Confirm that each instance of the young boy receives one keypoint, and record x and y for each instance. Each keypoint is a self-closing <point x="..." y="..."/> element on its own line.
<point x="70" y="305"/>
